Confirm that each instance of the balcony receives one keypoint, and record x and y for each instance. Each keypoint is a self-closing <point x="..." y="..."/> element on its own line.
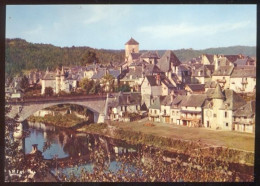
<point x="189" y="118"/>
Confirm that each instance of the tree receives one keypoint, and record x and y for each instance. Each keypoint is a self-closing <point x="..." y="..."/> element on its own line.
<point x="24" y="84"/>
<point x="108" y="82"/>
<point x="48" y="91"/>
<point x="89" y="57"/>
<point x="124" y="88"/>
<point x="96" y="88"/>
<point x="17" y="165"/>
<point x="86" y="84"/>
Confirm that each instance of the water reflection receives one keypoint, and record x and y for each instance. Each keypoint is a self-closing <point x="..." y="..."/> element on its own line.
<point x="88" y="157"/>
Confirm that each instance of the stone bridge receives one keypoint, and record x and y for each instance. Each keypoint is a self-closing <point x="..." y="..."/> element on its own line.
<point x="25" y="108"/>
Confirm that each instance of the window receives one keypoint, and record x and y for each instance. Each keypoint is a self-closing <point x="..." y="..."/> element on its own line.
<point x="215" y="115"/>
<point x="226" y="124"/>
<point x="226" y="114"/>
<point x="155" y="111"/>
<point x="164" y="112"/>
<point x="245" y="117"/>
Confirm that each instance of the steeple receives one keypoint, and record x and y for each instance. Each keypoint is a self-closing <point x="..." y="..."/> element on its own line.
<point x="217" y="94"/>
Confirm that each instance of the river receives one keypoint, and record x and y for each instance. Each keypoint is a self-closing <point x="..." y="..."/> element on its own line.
<point x="88" y="157"/>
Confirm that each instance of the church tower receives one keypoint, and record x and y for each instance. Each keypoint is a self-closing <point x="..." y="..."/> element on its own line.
<point x="131" y="46"/>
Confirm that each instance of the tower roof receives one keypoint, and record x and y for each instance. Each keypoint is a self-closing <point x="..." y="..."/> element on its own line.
<point x="132" y="42"/>
<point x="217" y="94"/>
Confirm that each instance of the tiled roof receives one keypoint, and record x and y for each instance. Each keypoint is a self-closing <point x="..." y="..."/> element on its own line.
<point x="232" y="58"/>
<point x="196" y="87"/>
<point x="165" y="61"/>
<point x="194" y="100"/>
<point x="244" y="71"/>
<point x="223" y="71"/>
<point x="210" y="58"/>
<point x="247" y="110"/>
<point x="167" y="82"/>
<point x="241" y="62"/>
<point x="135" y="56"/>
<point x="99" y="74"/>
<point x="233" y="100"/>
<point x="150" y="54"/>
<point x="217" y="93"/>
<point x="132" y="42"/>
<point x="211" y="84"/>
<point x="126" y="98"/>
<point x="151" y="80"/>
<point x="115" y="73"/>
<point x="178" y="100"/>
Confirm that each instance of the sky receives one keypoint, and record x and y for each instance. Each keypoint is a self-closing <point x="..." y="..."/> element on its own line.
<point x="155" y="27"/>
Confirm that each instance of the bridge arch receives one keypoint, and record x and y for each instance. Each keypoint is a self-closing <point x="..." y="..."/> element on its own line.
<point x="26" y="109"/>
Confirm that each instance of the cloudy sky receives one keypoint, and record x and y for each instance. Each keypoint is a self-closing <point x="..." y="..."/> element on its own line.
<point x="153" y="26"/>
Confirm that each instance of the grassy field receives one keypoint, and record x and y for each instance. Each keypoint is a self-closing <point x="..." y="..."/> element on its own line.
<point x="230" y="139"/>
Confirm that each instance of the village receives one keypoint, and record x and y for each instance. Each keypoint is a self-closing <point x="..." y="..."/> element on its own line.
<point x="211" y="91"/>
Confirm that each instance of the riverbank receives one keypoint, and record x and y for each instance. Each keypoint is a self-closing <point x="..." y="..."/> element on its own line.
<point x="190" y="141"/>
<point x="68" y="121"/>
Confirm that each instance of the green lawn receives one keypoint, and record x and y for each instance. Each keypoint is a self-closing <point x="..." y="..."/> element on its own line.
<point x="231" y="139"/>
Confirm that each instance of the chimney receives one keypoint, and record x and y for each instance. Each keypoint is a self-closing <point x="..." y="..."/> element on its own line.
<point x="158" y="79"/>
<point x="172" y="96"/>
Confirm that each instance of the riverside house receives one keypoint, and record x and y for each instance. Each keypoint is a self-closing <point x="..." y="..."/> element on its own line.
<point x="220" y="107"/>
<point x="244" y="118"/>
<point x="192" y="110"/>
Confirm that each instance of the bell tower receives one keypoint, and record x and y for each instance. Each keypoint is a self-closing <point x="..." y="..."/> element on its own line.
<point x="131" y="46"/>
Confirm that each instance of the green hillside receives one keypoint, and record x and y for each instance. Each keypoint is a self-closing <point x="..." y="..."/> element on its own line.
<point x="22" y="55"/>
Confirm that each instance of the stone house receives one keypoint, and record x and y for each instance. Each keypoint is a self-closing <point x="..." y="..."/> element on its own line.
<point x="220" y="107"/>
<point x="244" y="118"/>
<point x="243" y="79"/>
<point x="151" y="87"/>
<point x="59" y="81"/>
<point x="192" y="110"/>
<point x="222" y="76"/>
<point x="137" y="72"/>
<point x="175" y="110"/>
<point x="201" y="73"/>
<point x="124" y="102"/>
<point x="154" y="113"/>
<point x="166" y="108"/>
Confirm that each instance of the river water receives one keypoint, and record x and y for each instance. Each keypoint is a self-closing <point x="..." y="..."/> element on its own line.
<point x="74" y="154"/>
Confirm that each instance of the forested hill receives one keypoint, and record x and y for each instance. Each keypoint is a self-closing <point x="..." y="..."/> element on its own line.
<point x="22" y="55"/>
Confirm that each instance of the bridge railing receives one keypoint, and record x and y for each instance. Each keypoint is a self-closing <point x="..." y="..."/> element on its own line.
<point x="54" y="98"/>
